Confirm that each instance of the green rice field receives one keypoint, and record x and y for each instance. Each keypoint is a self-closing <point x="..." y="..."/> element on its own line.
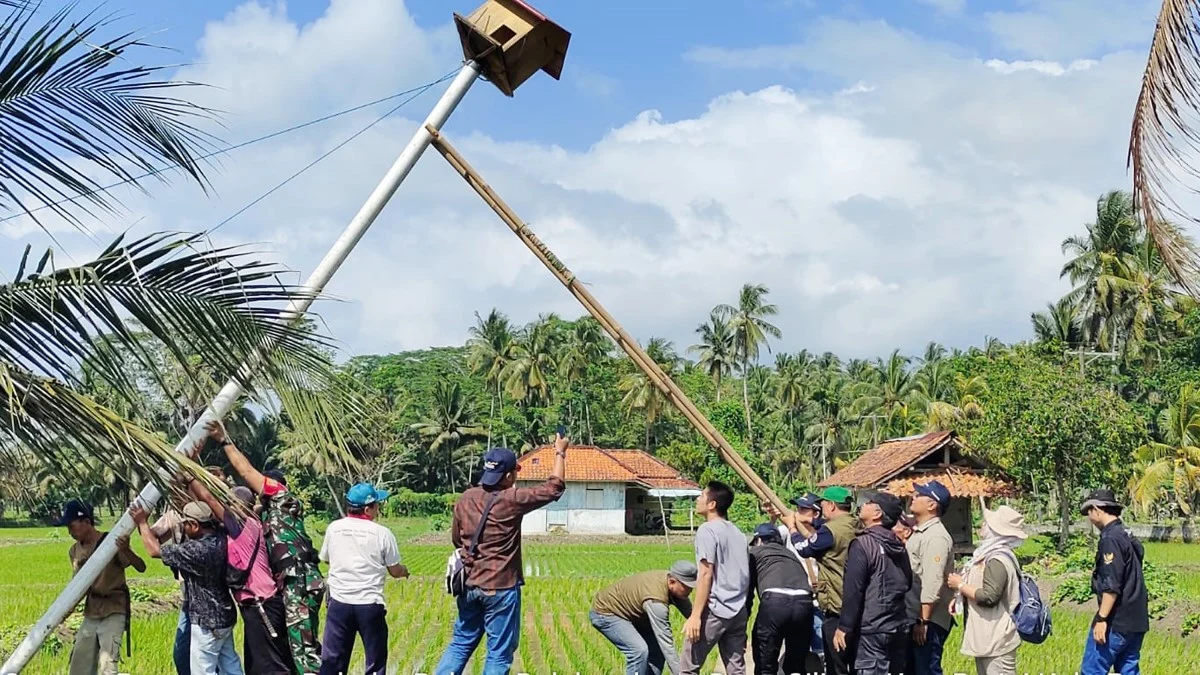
<point x="563" y="575"/>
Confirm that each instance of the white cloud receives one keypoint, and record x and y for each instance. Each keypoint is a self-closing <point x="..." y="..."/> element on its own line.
<point x="1069" y="29"/>
<point x="1044" y="67"/>
<point x="930" y="206"/>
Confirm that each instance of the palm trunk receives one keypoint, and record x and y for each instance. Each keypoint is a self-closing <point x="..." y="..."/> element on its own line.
<point x="450" y="466"/>
<point x="587" y="416"/>
<point x="746" y="401"/>
<point x="500" y="398"/>
<point x="648" y="435"/>
<point x="718" y="386"/>
<point x="337" y="500"/>
<point x="1064" y="511"/>
<point x="491" y="420"/>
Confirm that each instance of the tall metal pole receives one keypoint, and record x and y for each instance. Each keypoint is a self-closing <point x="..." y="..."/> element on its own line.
<point x="224" y="401"/>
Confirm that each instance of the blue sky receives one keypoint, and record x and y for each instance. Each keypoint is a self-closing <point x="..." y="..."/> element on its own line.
<point x="896" y="171"/>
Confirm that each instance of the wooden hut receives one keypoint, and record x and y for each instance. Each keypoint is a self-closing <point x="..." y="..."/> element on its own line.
<point x="897" y="465"/>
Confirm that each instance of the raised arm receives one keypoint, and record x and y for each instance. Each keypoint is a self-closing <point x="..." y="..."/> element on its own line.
<point x="150" y="541"/>
<point x="251" y="476"/>
<point x="202" y="494"/>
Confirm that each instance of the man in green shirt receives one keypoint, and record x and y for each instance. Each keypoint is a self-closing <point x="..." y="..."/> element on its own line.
<point x="634" y="615"/>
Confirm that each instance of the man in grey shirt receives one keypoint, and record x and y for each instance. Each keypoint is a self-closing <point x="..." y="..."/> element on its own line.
<point x="719" y="614"/>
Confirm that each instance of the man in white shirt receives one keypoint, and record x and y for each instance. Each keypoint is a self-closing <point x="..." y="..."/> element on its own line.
<point x="361" y="554"/>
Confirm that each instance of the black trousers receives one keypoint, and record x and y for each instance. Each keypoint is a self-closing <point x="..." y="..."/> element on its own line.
<point x="783" y="621"/>
<point x="882" y="653"/>
<point x="837" y="663"/>
<point x="266" y="655"/>
<point x="342" y="624"/>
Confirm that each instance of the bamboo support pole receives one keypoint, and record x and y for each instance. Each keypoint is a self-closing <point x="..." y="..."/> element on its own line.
<point x="630" y="346"/>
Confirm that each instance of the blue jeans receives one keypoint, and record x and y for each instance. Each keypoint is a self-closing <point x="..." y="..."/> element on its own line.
<point x="182" y="653"/>
<point x="1120" y="653"/>
<point x="213" y="649"/>
<point x="818" y="641"/>
<point x="642" y="653"/>
<point x="926" y="659"/>
<point x="496" y="613"/>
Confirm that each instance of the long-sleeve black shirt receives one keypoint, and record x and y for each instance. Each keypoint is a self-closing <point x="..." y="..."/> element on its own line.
<point x="1119" y="571"/>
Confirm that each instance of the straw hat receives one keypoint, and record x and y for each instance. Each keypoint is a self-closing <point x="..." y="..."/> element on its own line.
<point x="1005" y="522"/>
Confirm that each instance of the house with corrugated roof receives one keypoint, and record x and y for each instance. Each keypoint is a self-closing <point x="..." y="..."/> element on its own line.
<point x="608" y="491"/>
<point x="897" y="465"/>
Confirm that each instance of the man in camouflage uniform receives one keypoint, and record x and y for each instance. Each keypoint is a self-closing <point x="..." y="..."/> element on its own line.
<point x="293" y="558"/>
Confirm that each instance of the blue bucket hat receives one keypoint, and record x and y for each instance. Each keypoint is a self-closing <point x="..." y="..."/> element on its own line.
<point x="365" y="494"/>
<point x="497" y="462"/>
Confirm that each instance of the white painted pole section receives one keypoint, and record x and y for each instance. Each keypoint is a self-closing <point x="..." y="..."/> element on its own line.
<point x="223" y="403"/>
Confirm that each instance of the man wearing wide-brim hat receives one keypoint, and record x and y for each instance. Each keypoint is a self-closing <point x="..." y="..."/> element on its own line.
<point x="1123" y="617"/>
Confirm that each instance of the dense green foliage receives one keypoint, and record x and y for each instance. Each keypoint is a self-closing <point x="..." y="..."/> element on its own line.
<point x="1102" y="395"/>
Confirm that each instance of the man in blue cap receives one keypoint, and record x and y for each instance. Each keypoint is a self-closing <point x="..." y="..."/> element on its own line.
<point x="97" y="649"/>
<point x="784" y="619"/>
<point x="930" y="554"/>
<point x="361" y="554"/>
<point x="490" y="514"/>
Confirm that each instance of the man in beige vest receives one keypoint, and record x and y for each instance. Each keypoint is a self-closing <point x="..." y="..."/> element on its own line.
<point x="930" y="553"/>
<point x="827" y="544"/>
<point x="634" y="614"/>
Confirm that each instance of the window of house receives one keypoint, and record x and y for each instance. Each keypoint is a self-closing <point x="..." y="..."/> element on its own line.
<point x="594" y="498"/>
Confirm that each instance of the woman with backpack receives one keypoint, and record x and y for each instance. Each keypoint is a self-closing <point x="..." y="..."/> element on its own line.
<point x="991" y="589"/>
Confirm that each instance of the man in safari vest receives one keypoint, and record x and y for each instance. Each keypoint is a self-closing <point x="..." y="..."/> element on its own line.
<point x="827" y="544"/>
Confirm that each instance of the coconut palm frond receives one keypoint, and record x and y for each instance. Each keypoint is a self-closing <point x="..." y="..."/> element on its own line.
<point x="63" y="429"/>
<point x="1165" y="135"/>
<point x="68" y="94"/>
<point x="217" y="307"/>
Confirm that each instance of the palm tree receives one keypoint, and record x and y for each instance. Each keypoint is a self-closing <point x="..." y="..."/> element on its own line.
<point x="449" y="424"/>
<point x="716" y="348"/>
<point x="1143" y="295"/>
<point x="961" y="403"/>
<point x="527" y="376"/>
<point x="934" y="352"/>
<point x="216" y="306"/>
<point x="1109" y="244"/>
<point x="586" y="344"/>
<point x="836" y="414"/>
<point x="1060" y="322"/>
<point x="641" y="394"/>
<point x="751" y="331"/>
<point x="1163" y="137"/>
<point x="76" y="114"/>
<point x="1172" y="465"/>
<point x="791" y="388"/>
<point x="489" y="351"/>
<point x="893" y="391"/>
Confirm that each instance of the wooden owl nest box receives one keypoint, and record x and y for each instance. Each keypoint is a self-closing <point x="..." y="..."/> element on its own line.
<point x="511" y="41"/>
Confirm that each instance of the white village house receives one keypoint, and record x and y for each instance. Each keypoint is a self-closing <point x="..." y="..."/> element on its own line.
<point x="608" y="491"/>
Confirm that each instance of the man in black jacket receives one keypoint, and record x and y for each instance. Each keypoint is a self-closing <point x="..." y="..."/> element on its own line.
<point x="785" y="617"/>
<point x="878" y="575"/>
<point x="1123" y="617"/>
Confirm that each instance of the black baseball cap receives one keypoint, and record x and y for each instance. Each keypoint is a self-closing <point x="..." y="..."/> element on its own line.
<point x="74" y="510"/>
<point x="890" y="505"/>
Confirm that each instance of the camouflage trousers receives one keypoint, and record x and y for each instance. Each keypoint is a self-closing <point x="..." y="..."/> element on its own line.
<point x="303" y="610"/>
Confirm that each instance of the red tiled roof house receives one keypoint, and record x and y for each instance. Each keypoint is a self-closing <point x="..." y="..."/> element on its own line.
<point x="897" y="465"/>
<point x="608" y="491"/>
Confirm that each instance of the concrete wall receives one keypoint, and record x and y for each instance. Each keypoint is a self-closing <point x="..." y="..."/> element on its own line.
<point x="585" y="508"/>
